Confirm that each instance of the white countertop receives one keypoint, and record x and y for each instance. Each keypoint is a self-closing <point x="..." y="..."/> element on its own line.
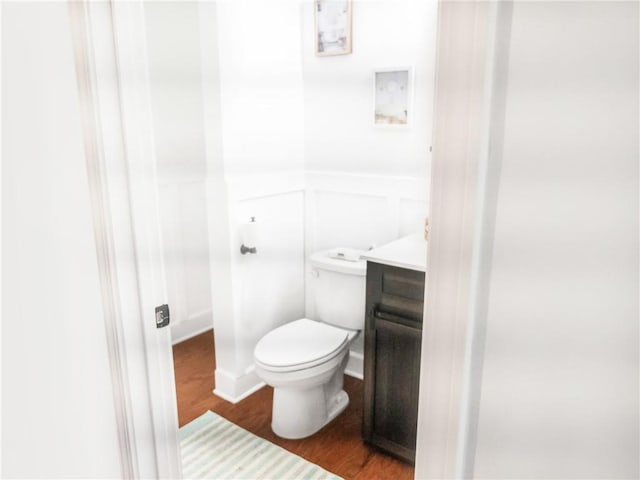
<point x="406" y="252"/>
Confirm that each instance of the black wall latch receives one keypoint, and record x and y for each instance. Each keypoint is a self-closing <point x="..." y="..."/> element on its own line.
<point x="162" y="316"/>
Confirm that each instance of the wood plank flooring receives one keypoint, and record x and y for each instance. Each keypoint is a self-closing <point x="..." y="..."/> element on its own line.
<point x="338" y="447"/>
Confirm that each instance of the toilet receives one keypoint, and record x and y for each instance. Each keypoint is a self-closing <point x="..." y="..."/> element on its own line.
<point x="304" y="360"/>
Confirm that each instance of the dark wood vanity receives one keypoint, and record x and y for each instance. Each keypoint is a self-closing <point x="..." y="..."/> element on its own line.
<point x="393" y="339"/>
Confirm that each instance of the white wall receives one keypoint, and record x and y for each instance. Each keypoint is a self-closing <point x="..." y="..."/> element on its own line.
<point x="261" y="85"/>
<point x="338" y="90"/>
<point x="559" y="394"/>
<point x="58" y="416"/>
<point x="173" y="43"/>
<point x="259" y="115"/>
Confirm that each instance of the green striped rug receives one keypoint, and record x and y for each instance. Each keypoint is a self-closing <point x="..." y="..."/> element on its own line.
<point x="215" y="448"/>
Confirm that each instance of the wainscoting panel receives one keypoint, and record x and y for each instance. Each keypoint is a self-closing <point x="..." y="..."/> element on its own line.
<point x="269" y="285"/>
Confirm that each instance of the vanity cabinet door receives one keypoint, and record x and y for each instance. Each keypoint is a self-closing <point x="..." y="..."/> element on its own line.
<point x="393" y="339"/>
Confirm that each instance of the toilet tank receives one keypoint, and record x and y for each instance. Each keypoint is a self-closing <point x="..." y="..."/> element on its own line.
<point x="339" y="291"/>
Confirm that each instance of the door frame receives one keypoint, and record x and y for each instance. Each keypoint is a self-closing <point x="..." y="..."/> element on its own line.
<point x="111" y="70"/>
<point x="472" y="54"/>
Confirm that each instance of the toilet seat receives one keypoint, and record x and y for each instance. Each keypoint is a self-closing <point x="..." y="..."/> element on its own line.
<point x="300" y="345"/>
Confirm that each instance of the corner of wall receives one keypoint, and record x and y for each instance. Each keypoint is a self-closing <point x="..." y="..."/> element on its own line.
<point x="234" y="388"/>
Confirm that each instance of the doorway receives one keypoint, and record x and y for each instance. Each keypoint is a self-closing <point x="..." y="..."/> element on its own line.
<point x="338" y="199"/>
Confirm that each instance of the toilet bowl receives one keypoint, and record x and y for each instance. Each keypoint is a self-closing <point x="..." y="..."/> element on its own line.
<point x="304" y="360"/>
<point x="307" y="382"/>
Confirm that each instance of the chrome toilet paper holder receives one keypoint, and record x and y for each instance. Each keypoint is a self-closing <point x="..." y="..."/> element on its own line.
<point x="244" y="249"/>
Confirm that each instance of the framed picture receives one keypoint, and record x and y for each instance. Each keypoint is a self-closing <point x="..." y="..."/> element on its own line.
<point x="333" y="27"/>
<point x="392" y="97"/>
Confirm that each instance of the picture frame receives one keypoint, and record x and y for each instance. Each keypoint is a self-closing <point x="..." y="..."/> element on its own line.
<point x="393" y="97"/>
<point x="332" y="27"/>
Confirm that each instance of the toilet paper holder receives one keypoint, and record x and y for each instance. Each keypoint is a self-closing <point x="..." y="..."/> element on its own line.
<point x="244" y="249"/>
<point x="248" y="232"/>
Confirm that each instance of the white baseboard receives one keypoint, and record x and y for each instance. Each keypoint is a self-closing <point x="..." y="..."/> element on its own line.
<point x="233" y="388"/>
<point x="196" y="324"/>
<point x="355" y="366"/>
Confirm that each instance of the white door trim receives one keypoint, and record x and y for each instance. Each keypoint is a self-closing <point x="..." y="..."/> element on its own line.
<point x="104" y="235"/>
<point x="111" y="64"/>
<point x="470" y="37"/>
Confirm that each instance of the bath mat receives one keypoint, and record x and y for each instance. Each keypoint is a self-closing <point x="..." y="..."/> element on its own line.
<point x="215" y="448"/>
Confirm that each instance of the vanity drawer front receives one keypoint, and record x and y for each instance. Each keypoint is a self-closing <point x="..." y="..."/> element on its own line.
<point x="396" y="291"/>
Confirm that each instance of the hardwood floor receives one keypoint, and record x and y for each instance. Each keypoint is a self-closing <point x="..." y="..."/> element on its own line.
<point x="338" y="447"/>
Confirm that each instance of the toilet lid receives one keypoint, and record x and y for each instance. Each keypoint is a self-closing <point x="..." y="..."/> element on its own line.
<point x="299" y="342"/>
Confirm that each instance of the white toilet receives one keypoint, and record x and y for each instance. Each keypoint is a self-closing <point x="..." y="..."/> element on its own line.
<point x="304" y="360"/>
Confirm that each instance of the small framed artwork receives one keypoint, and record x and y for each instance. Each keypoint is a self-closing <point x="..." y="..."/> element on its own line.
<point x="333" y="27"/>
<point x="392" y="97"/>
